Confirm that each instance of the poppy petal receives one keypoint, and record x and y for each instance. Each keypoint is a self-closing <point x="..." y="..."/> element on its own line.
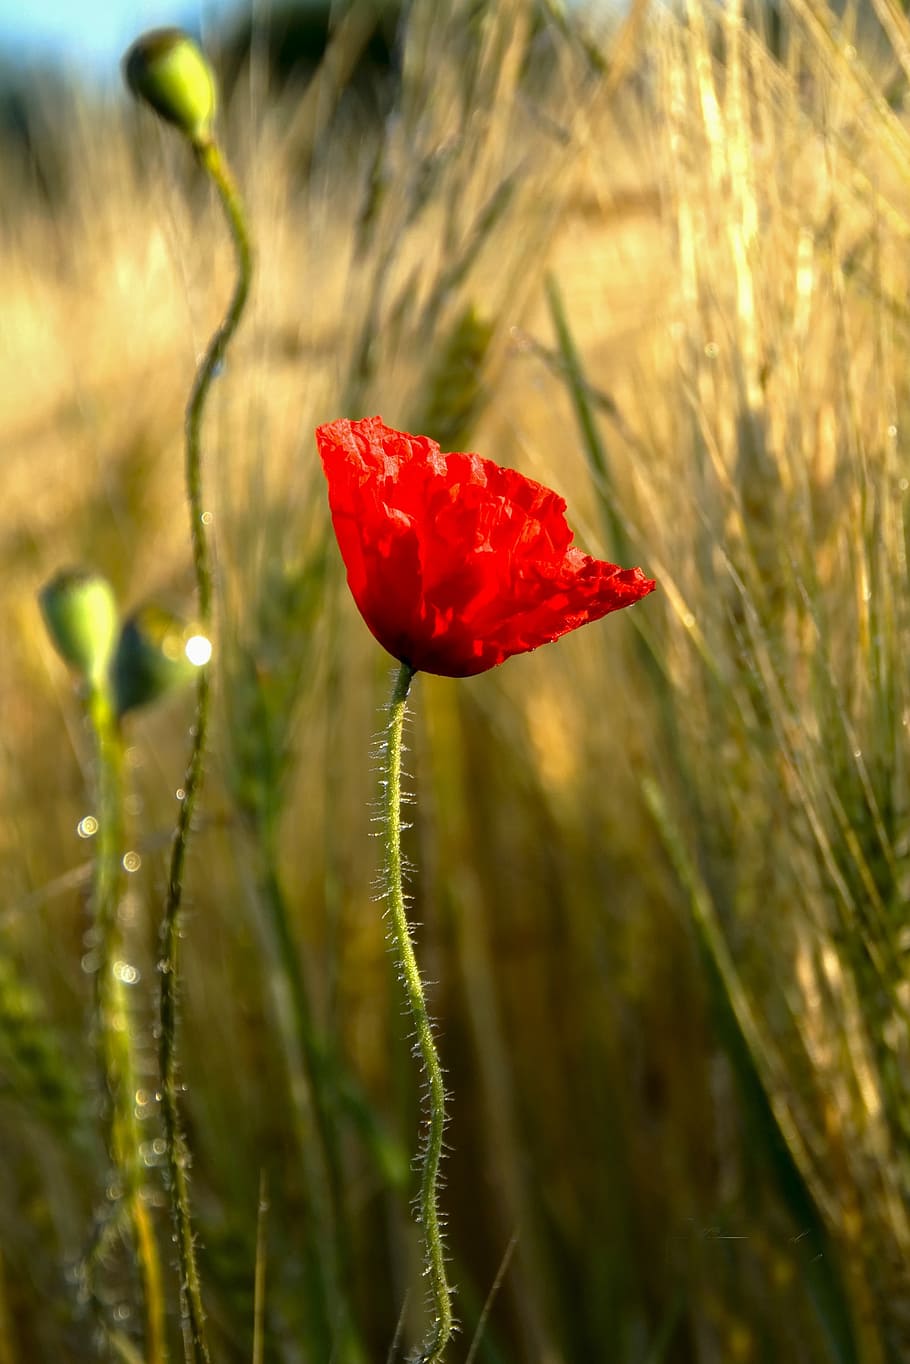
<point x="457" y="563"/>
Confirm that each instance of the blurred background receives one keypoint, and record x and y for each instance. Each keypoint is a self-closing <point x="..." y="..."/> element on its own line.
<point x="657" y="259"/>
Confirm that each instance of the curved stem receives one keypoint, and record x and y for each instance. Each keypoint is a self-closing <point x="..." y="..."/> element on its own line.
<point x="216" y="168"/>
<point x="431" y="1156"/>
<point x="113" y="1016"/>
<point x="193" y="1317"/>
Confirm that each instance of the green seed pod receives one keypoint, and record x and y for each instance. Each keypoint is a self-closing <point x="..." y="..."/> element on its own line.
<point x="157" y="653"/>
<point x="80" y="613"/>
<point x="167" y="70"/>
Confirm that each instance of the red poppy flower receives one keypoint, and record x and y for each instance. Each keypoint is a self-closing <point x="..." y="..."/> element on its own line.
<point x="454" y="562"/>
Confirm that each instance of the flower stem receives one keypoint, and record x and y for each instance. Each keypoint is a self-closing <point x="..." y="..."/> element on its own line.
<point x="113" y="1015"/>
<point x="193" y="1317"/>
<point x="428" y="1199"/>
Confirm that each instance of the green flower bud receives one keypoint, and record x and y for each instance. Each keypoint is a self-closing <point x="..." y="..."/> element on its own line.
<point x="157" y="653"/>
<point x="168" y="71"/>
<point x="80" y="613"/>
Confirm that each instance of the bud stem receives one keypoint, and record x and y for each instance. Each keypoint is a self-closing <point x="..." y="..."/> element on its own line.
<point x="114" y="1034"/>
<point x="195" y="1344"/>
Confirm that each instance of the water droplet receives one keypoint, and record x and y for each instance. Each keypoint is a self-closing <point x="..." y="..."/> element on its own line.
<point x="126" y="973"/>
<point x="122" y="1311"/>
<point x="688" y="620"/>
<point x="131" y="861"/>
<point x="180" y="793"/>
<point x="892" y="431"/>
<point x="712" y="350"/>
<point x="857" y="752"/>
<point x="90" y="963"/>
<point x="206" y="518"/>
<point x="152" y="1151"/>
<point x="87" y="826"/>
<point x="904" y="484"/>
<point x="198" y="650"/>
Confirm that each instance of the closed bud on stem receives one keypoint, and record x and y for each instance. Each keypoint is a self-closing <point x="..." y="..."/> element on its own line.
<point x="167" y="70"/>
<point x="80" y="612"/>
<point x="156" y="654"/>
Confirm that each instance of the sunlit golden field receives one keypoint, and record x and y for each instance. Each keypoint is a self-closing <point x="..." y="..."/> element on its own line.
<point x="659" y="868"/>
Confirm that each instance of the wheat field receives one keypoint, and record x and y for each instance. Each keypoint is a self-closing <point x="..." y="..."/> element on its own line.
<point x="660" y="869"/>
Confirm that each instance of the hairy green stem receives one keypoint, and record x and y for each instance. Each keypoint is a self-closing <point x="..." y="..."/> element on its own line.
<point x="440" y="1332"/>
<point x="192" y="1314"/>
<point x="115" y="1041"/>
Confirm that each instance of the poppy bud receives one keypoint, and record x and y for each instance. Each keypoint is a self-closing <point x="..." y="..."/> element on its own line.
<point x="157" y="652"/>
<point x="80" y="613"/>
<point x="167" y="70"/>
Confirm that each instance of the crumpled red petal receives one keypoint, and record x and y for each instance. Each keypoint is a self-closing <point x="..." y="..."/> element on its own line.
<point x="455" y="562"/>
